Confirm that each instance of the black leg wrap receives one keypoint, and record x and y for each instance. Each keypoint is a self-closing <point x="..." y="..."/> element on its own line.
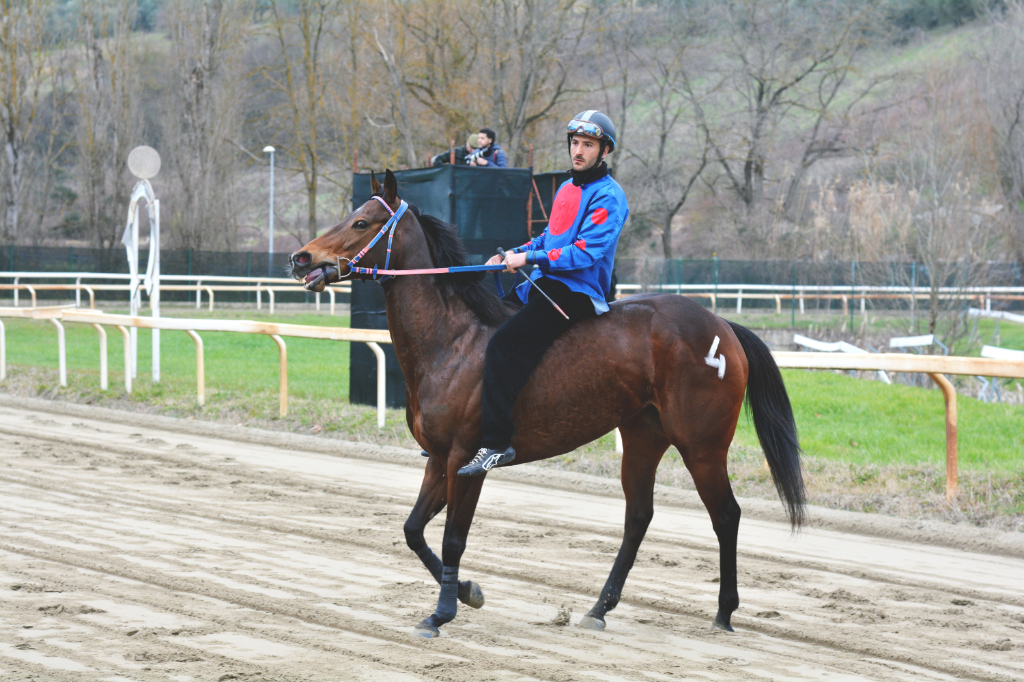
<point x="447" y="604"/>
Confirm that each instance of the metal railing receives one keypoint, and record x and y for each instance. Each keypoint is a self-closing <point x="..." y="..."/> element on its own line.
<point x="58" y="315"/>
<point x="194" y="283"/>
<point x="800" y="293"/>
<point x="932" y="365"/>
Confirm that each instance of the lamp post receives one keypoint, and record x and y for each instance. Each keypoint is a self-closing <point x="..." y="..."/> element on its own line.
<point x="269" y="149"/>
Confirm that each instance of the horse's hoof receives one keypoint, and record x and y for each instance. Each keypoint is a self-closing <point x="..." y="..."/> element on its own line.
<point x="470" y="594"/>
<point x="592" y="623"/>
<point x="721" y="624"/>
<point x="427" y="629"/>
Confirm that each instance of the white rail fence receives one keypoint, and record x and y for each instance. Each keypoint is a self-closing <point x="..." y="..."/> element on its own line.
<point x="80" y="282"/>
<point x="803" y="292"/>
<point x="1007" y="364"/>
<point x="857" y="295"/>
<point x="59" y="315"/>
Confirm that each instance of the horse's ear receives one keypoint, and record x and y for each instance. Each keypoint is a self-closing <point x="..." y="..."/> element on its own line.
<point x="390" y="187"/>
<point x="374" y="185"/>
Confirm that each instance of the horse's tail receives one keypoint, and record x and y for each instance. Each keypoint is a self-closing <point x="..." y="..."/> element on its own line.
<point x="768" y="404"/>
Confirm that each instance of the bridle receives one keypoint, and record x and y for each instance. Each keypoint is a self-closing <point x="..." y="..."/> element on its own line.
<point x="388" y="229"/>
<point x="386" y="273"/>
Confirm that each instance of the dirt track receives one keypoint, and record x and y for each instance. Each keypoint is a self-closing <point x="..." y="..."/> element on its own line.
<point x="152" y="553"/>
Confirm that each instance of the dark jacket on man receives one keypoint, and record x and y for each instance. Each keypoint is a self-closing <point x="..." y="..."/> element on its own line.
<point x="495" y="156"/>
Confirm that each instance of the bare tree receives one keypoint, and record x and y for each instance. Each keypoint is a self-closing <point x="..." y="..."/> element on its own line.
<point x="445" y="77"/>
<point x="671" y="152"/>
<point x="202" y="116"/>
<point x="303" y="89"/>
<point x="943" y="218"/>
<point x="533" y="50"/>
<point x="109" y="120"/>
<point x="1001" y="63"/>
<point x="392" y="49"/>
<point x="781" y="61"/>
<point x="620" y="35"/>
<point x="25" y="69"/>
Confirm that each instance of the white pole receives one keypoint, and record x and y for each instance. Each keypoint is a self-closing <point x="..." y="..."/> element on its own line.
<point x="136" y="293"/>
<point x="62" y="364"/>
<point x="381" y="382"/>
<point x="154" y="297"/>
<point x="103" y="355"/>
<point x="270" y="251"/>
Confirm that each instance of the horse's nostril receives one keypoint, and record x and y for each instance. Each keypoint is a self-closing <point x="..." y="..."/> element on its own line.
<point x="302" y="259"/>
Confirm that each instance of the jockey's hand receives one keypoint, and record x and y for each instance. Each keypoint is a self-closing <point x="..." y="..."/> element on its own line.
<point x="480" y="162"/>
<point x="514" y="261"/>
<point x="494" y="260"/>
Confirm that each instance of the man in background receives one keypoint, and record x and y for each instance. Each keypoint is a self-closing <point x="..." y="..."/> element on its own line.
<point x="462" y="154"/>
<point x="491" y="154"/>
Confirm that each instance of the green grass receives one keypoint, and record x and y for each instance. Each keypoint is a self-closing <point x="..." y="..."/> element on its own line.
<point x="867" y="422"/>
<point x="234" y="363"/>
<point x="840" y="418"/>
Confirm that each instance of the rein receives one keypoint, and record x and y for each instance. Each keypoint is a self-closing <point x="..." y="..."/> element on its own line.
<point x="386" y="274"/>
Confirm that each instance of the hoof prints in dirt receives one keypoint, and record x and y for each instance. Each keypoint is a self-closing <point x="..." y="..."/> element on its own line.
<point x="229" y="581"/>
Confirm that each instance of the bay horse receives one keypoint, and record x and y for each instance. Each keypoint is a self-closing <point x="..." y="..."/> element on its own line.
<point x="661" y="368"/>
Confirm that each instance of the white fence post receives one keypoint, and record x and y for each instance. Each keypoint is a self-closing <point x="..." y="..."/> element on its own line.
<point x="62" y="365"/>
<point x="282" y="351"/>
<point x="127" y="358"/>
<point x="103" y="355"/>
<point x="381" y="382"/>
<point x="200" y="369"/>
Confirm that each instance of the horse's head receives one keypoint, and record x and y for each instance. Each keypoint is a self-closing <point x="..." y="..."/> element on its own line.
<point x="326" y="259"/>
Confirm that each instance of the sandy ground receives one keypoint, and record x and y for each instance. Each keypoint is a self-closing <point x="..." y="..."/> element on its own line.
<point x="150" y="551"/>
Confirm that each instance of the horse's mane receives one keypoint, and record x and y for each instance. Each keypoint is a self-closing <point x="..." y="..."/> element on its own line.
<point x="446" y="250"/>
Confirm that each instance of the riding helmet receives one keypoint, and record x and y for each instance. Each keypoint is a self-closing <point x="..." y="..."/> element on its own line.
<point x="594" y="124"/>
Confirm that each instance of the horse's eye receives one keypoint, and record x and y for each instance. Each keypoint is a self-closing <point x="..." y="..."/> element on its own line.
<point x="361" y="225"/>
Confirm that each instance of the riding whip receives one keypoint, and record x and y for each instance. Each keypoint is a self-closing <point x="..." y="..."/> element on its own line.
<point x="501" y="252"/>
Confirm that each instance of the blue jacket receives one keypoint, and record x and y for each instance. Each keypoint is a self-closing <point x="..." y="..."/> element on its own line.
<point x="495" y="157"/>
<point x="578" y="246"/>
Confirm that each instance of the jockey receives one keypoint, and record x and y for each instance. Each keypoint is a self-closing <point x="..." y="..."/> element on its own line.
<point x="574" y="258"/>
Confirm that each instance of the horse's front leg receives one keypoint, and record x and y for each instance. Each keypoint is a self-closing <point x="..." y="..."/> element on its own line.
<point x="463" y="494"/>
<point x="432" y="499"/>
<point x="643" y="446"/>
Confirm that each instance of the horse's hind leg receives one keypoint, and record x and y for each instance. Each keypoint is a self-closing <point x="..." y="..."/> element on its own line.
<point x="432" y="499"/>
<point x="711" y="477"/>
<point x="643" y="444"/>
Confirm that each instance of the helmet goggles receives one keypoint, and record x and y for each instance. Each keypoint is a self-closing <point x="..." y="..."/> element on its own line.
<point x="588" y="128"/>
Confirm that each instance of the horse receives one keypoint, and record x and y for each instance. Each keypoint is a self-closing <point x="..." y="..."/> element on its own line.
<point x="660" y="368"/>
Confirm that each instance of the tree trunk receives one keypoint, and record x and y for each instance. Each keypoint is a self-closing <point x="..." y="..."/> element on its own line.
<point x="13" y="184"/>
<point x="666" y="234"/>
<point x="311" y="191"/>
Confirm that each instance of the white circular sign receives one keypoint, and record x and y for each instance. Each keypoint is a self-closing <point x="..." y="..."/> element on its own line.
<point x="144" y="162"/>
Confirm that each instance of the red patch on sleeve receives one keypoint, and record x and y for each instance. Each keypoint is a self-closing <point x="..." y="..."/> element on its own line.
<point x="580" y="243"/>
<point x="599" y="216"/>
<point x="563" y="213"/>
<point x="553" y="254"/>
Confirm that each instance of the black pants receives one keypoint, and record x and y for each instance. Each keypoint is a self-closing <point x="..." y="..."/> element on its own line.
<point x="517" y="348"/>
